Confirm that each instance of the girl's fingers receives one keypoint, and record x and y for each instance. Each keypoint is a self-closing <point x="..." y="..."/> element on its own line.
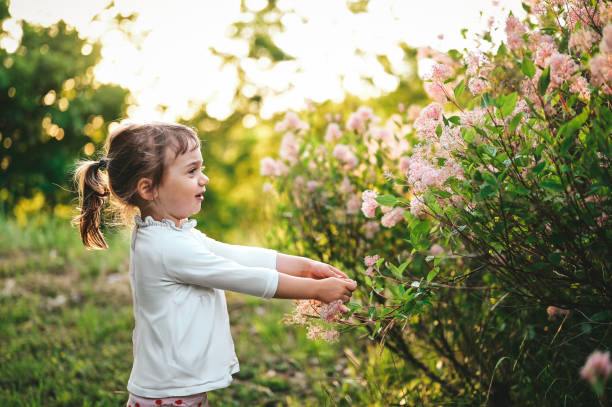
<point x="344" y="309"/>
<point x="338" y="272"/>
<point x="345" y="298"/>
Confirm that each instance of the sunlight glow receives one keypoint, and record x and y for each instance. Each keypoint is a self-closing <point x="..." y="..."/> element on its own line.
<point x="169" y="62"/>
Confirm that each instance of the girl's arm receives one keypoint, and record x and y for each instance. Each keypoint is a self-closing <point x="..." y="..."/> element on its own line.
<point x="326" y="290"/>
<point x="303" y="267"/>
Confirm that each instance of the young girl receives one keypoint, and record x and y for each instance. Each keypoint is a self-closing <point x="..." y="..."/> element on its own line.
<point x="182" y="342"/>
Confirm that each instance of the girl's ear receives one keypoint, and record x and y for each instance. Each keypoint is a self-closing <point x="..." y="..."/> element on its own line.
<point x="145" y="189"/>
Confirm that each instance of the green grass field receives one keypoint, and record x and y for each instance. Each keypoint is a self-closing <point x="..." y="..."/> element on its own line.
<point x="66" y="326"/>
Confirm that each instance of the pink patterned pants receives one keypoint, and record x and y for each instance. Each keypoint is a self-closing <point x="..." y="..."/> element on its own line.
<point x="195" y="400"/>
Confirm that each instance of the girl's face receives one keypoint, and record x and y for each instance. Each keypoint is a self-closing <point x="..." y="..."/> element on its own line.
<point x="181" y="191"/>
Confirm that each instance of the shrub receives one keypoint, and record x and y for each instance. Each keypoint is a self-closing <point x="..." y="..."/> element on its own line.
<point x="493" y="207"/>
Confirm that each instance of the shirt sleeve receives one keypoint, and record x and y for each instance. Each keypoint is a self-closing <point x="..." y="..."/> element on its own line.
<point x="245" y="255"/>
<point x="190" y="262"/>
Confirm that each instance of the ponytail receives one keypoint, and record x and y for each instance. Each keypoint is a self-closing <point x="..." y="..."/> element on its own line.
<point x="93" y="193"/>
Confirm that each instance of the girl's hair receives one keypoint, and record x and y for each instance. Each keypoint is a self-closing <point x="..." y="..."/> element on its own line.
<point x="133" y="151"/>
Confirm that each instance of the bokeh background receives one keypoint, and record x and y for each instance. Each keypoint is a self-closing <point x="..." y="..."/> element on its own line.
<point x="70" y="71"/>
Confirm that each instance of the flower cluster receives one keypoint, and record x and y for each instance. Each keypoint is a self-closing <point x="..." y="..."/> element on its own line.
<point x="316" y="316"/>
<point x="598" y="367"/>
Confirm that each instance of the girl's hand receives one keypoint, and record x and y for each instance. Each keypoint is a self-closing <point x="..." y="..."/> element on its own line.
<point x="319" y="270"/>
<point x="333" y="289"/>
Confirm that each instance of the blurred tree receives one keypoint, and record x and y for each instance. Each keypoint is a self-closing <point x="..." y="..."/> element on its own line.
<point x="51" y="110"/>
<point x="232" y="149"/>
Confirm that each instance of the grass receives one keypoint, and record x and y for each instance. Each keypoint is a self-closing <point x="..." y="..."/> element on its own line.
<point x="66" y="326"/>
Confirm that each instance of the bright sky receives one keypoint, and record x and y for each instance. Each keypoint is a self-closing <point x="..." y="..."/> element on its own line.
<point x="174" y="66"/>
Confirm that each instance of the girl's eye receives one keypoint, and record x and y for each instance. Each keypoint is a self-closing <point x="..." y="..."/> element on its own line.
<point x="191" y="171"/>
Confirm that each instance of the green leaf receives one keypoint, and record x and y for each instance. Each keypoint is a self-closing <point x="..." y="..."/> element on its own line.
<point x="552" y="185"/>
<point x="490" y="150"/>
<point x="386" y="200"/>
<point x="528" y="68"/>
<point x="539" y="167"/>
<point x="432" y="274"/>
<point x="487" y="191"/>
<point x="455" y="120"/>
<point x="555" y="258"/>
<point x="544" y="81"/>
<point x="509" y="104"/>
<point x="573" y="125"/>
<point x="501" y="51"/>
<point x="486" y="100"/>
<point x="439" y="130"/>
<point x="440" y="193"/>
<point x="459" y="89"/>
<point x="515" y="122"/>
<point x="352" y="305"/>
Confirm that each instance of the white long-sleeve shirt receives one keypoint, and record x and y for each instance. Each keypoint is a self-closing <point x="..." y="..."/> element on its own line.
<point x="182" y="340"/>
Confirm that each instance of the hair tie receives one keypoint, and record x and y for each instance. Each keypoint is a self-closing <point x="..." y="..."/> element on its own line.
<point x="103" y="163"/>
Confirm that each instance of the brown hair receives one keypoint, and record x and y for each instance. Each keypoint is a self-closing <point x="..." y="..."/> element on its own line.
<point x="133" y="151"/>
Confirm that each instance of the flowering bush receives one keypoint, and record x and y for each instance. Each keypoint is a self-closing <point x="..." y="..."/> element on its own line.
<point x="499" y="204"/>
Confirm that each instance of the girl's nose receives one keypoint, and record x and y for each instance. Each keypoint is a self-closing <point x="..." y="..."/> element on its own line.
<point x="204" y="179"/>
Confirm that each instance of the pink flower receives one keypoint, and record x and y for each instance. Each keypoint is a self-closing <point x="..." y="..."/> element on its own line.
<point x="404" y="164"/>
<point x="272" y="168"/>
<point x="417" y="207"/>
<point x="440" y="73"/>
<point x="538" y="7"/>
<point x="545" y="48"/>
<point x="353" y="205"/>
<point x="345" y="186"/>
<point x="386" y="209"/>
<point x="369" y="204"/>
<point x="553" y="312"/>
<point x="370" y="229"/>
<point x="291" y="122"/>
<point x="413" y="112"/>
<point x="432" y="111"/>
<point x="311" y="186"/>
<point x="344" y="153"/>
<point x="401" y="108"/>
<point x="605" y="46"/>
<point x="597" y="367"/>
<point x="365" y="113"/>
<point x="562" y="67"/>
<point x="329" y="312"/>
<point x="475" y="61"/>
<point x="370" y="261"/>
<point x="477" y="86"/>
<point x="267" y="167"/>
<point x="436" y="250"/>
<point x="581" y="86"/>
<point x="578" y="12"/>
<point x="333" y="133"/>
<point x="427" y="122"/>
<point x="436" y="91"/>
<point x="582" y="40"/>
<point x="355" y="123"/>
<point x="289" y="148"/>
<point x="514" y="33"/>
<point x="472" y="117"/>
<point x="422" y="174"/>
<point x="316" y="332"/>
<point x="601" y="69"/>
<point x="392" y="218"/>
